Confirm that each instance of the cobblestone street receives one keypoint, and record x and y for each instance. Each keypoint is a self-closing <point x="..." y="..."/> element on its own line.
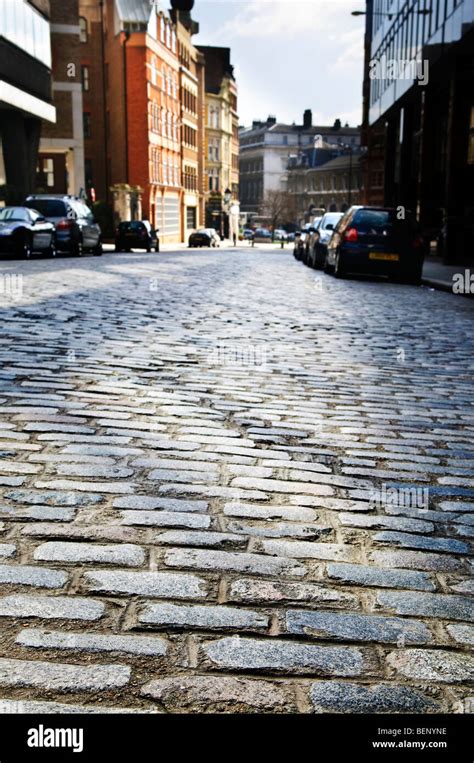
<point x="233" y="484"/>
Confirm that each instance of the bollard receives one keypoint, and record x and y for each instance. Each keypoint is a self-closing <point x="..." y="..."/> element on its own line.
<point x="282" y="244"/>
<point x="253" y="242"/>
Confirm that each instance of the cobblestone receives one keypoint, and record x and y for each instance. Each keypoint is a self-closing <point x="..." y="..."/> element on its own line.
<point x="215" y="694"/>
<point x="235" y="562"/>
<point x="37" y="577"/>
<point x="92" y="642"/>
<point x="428" y="604"/>
<point x="345" y="697"/>
<point x="227" y="511"/>
<point x="160" y="585"/>
<point x="57" y="551"/>
<point x="62" y="677"/>
<point x="202" y="618"/>
<point x="353" y="627"/>
<point x="360" y="574"/>
<point x="51" y="607"/>
<point x="432" y="665"/>
<point x="286" y="656"/>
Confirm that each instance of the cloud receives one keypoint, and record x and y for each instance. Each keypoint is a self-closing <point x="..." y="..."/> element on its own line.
<point x="290" y="55"/>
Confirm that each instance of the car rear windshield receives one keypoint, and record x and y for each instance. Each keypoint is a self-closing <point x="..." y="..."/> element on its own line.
<point x="48" y="207"/>
<point x="380" y="220"/>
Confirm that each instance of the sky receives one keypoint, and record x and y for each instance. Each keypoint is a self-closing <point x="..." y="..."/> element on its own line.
<point x="290" y="55"/>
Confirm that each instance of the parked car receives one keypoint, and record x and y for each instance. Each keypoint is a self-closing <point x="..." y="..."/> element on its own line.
<point x="262" y="235"/>
<point x="300" y="237"/>
<point x="204" y="237"/>
<point x="247" y="234"/>
<point x="136" y="234"/>
<point x="317" y="247"/>
<point x="76" y="229"/>
<point x="309" y="237"/>
<point x="24" y="231"/>
<point x="280" y="235"/>
<point x="373" y="240"/>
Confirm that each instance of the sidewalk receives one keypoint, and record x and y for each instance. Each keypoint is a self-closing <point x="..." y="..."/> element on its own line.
<point x="440" y="276"/>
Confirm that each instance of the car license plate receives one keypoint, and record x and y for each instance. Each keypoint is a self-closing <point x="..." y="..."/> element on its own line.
<point x="384" y="256"/>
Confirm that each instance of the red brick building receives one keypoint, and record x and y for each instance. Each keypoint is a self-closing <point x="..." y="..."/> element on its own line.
<point x="143" y="113"/>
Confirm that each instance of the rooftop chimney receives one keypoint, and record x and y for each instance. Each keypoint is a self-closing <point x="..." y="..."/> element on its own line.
<point x="271" y="120"/>
<point x="307" y="119"/>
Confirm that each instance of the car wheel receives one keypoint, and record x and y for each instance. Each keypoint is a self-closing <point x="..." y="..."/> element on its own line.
<point x="318" y="261"/>
<point x="25" y="246"/>
<point x="52" y="251"/>
<point x="339" y="270"/>
<point x="98" y="250"/>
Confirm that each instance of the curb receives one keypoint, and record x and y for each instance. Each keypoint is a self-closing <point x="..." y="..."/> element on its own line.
<point x="445" y="286"/>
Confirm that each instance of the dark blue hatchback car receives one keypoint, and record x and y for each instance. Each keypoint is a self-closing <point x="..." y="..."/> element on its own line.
<point x="376" y="241"/>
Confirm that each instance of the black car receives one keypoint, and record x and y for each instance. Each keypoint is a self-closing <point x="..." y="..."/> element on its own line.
<point x="298" y="247"/>
<point x="317" y="248"/>
<point x="312" y="232"/>
<point x="136" y="234"/>
<point x="24" y="231"/>
<point x="76" y="229"/>
<point x="204" y="237"/>
<point x="375" y="241"/>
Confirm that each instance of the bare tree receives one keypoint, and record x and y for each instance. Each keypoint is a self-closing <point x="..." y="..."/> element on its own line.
<point x="279" y="207"/>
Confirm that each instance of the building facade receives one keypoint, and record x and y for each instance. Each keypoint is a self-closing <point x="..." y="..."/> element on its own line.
<point x="61" y="153"/>
<point x="192" y="98"/>
<point x="143" y="113"/>
<point x="266" y="149"/>
<point x="334" y="185"/>
<point x="25" y="92"/>
<point x="221" y="136"/>
<point x="420" y="122"/>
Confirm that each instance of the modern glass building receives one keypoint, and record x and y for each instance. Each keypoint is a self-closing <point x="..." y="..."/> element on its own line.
<point x="419" y="114"/>
<point x="25" y="91"/>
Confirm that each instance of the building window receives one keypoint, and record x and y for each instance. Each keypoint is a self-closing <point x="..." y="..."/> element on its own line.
<point x="46" y="171"/>
<point x="173" y="41"/>
<point x="83" y="34"/>
<point x="85" y="78"/>
<point x="213" y="150"/>
<point x="213" y="117"/>
<point x="213" y="179"/>
<point x="168" y="36"/>
<point x="191" y="218"/>
<point x="86" y="118"/>
<point x="162" y="29"/>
